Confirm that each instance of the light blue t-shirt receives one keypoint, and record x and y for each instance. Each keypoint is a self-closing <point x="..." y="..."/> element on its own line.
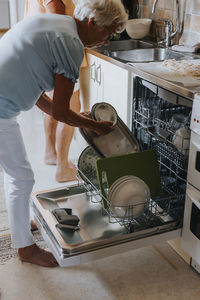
<point x="31" y="54"/>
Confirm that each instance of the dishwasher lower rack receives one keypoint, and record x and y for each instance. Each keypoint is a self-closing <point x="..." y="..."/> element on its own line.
<point x="158" y="211"/>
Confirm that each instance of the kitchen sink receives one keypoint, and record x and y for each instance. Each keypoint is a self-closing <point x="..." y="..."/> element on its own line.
<point x="125" y="44"/>
<point x="146" y="55"/>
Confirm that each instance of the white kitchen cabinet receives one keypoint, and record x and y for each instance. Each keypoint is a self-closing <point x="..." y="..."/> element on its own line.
<point x="109" y="83"/>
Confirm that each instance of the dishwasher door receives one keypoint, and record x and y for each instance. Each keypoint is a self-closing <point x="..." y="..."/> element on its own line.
<point x="99" y="234"/>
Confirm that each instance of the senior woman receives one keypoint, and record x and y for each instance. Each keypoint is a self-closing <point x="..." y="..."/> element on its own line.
<point x="39" y="54"/>
<point x="58" y="135"/>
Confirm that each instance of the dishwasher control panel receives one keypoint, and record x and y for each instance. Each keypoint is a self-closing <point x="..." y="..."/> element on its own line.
<point x="195" y="118"/>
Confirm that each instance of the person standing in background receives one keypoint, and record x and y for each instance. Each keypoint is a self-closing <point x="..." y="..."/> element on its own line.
<point x="58" y="136"/>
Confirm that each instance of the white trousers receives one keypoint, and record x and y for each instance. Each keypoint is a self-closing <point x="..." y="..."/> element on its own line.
<point x="18" y="182"/>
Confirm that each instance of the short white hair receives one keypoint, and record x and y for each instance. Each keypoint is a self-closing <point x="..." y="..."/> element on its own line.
<point x="104" y="12"/>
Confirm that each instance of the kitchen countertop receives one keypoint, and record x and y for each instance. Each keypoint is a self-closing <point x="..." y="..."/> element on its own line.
<point x="175" y="87"/>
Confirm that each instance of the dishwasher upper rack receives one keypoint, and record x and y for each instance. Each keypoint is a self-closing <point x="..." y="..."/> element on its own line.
<point x="158" y="211"/>
<point x="159" y="129"/>
<point x="157" y="113"/>
<point x="169" y="156"/>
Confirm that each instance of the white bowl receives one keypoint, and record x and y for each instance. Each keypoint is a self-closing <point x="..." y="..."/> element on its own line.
<point x="138" y="28"/>
<point x="181" y="140"/>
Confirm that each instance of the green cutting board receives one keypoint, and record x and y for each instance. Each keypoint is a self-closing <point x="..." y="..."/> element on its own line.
<point x="142" y="164"/>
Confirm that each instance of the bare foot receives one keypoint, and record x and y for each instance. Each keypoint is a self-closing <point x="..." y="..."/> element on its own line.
<point x="33" y="226"/>
<point x="50" y="158"/>
<point x="35" y="255"/>
<point x="72" y="165"/>
<point x="67" y="174"/>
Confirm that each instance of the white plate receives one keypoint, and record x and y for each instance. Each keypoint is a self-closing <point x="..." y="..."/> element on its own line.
<point x="129" y="197"/>
<point x="116" y="183"/>
<point x="119" y="181"/>
<point x="104" y="111"/>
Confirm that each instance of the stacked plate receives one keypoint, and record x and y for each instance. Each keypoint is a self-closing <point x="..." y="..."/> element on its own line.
<point x="128" y="196"/>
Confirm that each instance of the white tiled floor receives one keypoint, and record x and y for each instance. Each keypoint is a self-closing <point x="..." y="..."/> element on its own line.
<point x="31" y="124"/>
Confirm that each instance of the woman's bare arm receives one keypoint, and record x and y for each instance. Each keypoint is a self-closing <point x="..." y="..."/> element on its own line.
<point x="61" y="111"/>
<point x="45" y="104"/>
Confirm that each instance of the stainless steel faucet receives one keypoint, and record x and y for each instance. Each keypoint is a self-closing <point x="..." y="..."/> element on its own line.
<point x="154" y="6"/>
<point x="169" y="33"/>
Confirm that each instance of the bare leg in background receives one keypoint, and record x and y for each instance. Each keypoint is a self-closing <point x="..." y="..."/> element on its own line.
<point x="58" y="140"/>
<point x="50" y="125"/>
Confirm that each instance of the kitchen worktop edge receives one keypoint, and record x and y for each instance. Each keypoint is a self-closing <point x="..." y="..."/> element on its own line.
<point x="168" y="85"/>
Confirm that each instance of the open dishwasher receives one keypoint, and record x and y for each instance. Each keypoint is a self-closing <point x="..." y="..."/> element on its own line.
<point x="99" y="232"/>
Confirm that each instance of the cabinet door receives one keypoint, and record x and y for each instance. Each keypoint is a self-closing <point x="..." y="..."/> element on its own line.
<point x="109" y="83"/>
<point x="115" y="88"/>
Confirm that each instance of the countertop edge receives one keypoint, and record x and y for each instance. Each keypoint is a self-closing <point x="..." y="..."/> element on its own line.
<point x="170" y="86"/>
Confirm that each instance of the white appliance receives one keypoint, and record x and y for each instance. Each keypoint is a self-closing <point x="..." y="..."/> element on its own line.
<point x="191" y="225"/>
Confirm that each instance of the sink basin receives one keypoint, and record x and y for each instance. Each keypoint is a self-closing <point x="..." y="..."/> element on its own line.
<point x="146" y="55"/>
<point x="125" y="44"/>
